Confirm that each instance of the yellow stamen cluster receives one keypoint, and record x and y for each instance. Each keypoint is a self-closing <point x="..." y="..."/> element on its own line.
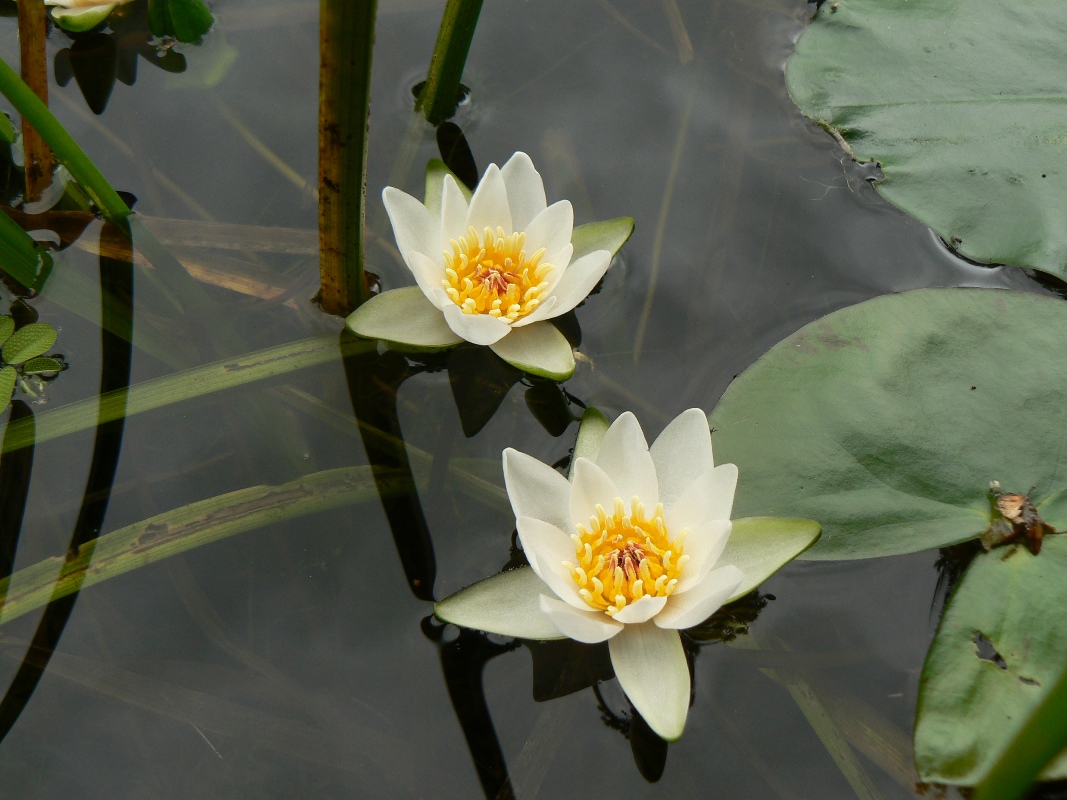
<point x="494" y="275"/>
<point x="624" y="557"/>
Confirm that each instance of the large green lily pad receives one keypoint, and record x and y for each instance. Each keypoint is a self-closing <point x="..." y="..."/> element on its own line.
<point x="962" y="102"/>
<point x="886" y="421"/>
<point x="999" y="648"/>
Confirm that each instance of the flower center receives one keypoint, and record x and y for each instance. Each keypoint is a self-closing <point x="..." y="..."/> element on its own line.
<point x="494" y="275"/>
<point x="624" y="557"/>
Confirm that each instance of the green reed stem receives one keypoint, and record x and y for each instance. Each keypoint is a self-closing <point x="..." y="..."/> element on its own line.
<point x="439" y="95"/>
<point x="65" y="149"/>
<point x="346" y="34"/>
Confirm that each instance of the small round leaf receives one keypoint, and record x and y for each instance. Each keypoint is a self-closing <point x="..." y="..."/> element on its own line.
<point x="42" y="365"/>
<point x="29" y="342"/>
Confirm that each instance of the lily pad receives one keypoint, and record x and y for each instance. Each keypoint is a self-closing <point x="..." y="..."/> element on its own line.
<point x="962" y="104"/>
<point x="999" y="648"/>
<point x="29" y="342"/>
<point x="886" y="421"/>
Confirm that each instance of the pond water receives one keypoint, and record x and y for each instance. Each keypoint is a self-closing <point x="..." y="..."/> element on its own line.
<point x="299" y="659"/>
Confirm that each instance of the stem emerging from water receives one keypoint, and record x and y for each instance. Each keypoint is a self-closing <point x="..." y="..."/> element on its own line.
<point x="440" y="94"/>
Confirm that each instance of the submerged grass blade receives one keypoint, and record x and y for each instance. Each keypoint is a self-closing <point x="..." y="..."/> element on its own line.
<point x="182" y="386"/>
<point x="183" y="529"/>
<point x="438" y="97"/>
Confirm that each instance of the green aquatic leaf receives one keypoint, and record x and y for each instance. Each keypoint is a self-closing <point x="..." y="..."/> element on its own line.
<point x="42" y="365"/>
<point x="962" y="104"/>
<point x="8" y="376"/>
<point x="998" y="650"/>
<point x="29" y="342"/>
<point x="7" y="327"/>
<point x="886" y="421"/>
<point x="185" y="20"/>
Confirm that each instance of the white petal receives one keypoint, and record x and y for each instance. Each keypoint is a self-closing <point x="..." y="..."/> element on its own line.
<point x="489" y="205"/>
<point x="704" y="544"/>
<point x="543" y="312"/>
<point x="624" y="457"/>
<point x="682" y="453"/>
<point x="414" y="227"/>
<point x="693" y="607"/>
<point x="544" y="544"/>
<point x="453" y="213"/>
<point x="404" y="316"/>
<point x="536" y="490"/>
<point x="584" y="626"/>
<point x="579" y="279"/>
<point x="526" y="191"/>
<point x="475" y="328"/>
<point x="538" y="349"/>
<point x="710" y="496"/>
<point x="640" y="610"/>
<point x="507" y="604"/>
<point x="551" y="229"/>
<point x="651" y="667"/>
<point x="429" y="275"/>
<point x="590" y="486"/>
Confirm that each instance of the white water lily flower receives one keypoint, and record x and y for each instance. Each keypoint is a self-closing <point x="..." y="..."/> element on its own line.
<point x="491" y="271"/>
<point x="82" y="15"/>
<point x="636" y="546"/>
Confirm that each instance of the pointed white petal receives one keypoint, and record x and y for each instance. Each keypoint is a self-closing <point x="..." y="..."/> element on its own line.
<point x="536" y="490"/>
<point x="544" y="311"/>
<point x="429" y="275"/>
<point x="489" y="205"/>
<point x="526" y="191"/>
<point x="579" y="279"/>
<point x="584" y="626"/>
<point x="590" y="486"/>
<point x="475" y="328"/>
<point x="453" y="213"/>
<point x="544" y="544"/>
<point x="538" y="349"/>
<point x="610" y="235"/>
<point x="415" y="229"/>
<point x="693" y="607"/>
<point x="624" y="457"/>
<point x="547" y="549"/>
<point x="760" y="546"/>
<point x="507" y="604"/>
<point x="682" y="453"/>
<point x="551" y="229"/>
<point x="651" y="667"/>
<point x="704" y="544"/>
<point x="640" y="610"/>
<point x="710" y="496"/>
<point x="403" y="316"/>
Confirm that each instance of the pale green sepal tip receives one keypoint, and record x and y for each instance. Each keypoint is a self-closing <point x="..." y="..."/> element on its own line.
<point x="81" y="19"/>
<point x="435" y="179"/>
<point x="609" y="234"/>
<point x="591" y="432"/>
<point x="404" y="318"/>
<point x="760" y="546"/>
<point x="505" y="604"/>
<point x="538" y="349"/>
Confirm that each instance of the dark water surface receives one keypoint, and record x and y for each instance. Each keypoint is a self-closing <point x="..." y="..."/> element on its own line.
<point x="296" y="660"/>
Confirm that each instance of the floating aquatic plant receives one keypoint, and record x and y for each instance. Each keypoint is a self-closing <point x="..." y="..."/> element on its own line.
<point x="23" y="359"/>
<point x="492" y="269"/>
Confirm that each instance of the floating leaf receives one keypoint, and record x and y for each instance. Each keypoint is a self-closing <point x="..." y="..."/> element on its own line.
<point x="185" y="20"/>
<point x="999" y="648"/>
<point x="961" y="103"/>
<point x="29" y="342"/>
<point x="7" y="327"/>
<point x="887" y="421"/>
<point x="42" y="365"/>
